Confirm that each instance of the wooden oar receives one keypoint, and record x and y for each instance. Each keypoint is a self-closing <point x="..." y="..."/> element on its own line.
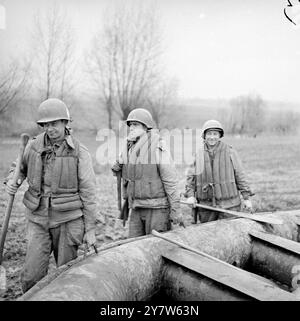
<point x="24" y="140"/>
<point x="254" y="217"/>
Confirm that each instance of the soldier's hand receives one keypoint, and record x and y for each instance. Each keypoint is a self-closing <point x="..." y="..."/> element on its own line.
<point x="89" y="238"/>
<point x="248" y="206"/>
<point x="192" y="201"/>
<point x="178" y="220"/>
<point x="12" y="188"/>
<point x="116" y="168"/>
<point x="181" y="223"/>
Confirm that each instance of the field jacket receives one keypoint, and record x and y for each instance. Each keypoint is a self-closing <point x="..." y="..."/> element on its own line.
<point x="61" y="181"/>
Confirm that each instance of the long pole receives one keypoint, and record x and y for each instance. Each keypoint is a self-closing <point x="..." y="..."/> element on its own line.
<point x="24" y="140"/>
<point x="269" y="220"/>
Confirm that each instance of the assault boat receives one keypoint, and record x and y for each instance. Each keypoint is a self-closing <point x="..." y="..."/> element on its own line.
<point x="230" y="259"/>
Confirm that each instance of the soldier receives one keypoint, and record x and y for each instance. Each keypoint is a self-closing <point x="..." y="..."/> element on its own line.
<point x="60" y="200"/>
<point x="222" y="181"/>
<point x="149" y="178"/>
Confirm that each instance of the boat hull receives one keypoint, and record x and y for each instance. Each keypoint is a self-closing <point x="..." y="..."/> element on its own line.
<point x="138" y="271"/>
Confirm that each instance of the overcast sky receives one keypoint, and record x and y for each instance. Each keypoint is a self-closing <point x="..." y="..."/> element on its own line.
<point x="216" y="49"/>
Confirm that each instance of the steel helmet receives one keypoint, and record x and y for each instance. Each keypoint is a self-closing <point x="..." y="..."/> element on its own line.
<point x="52" y="109"/>
<point x="141" y="115"/>
<point x="212" y="124"/>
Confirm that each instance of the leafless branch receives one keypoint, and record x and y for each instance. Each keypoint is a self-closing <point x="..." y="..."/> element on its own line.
<point x="125" y="57"/>
<point x="53" y="44"/>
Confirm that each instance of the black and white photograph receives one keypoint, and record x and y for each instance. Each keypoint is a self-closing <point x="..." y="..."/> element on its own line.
<point x="149" y="152"/>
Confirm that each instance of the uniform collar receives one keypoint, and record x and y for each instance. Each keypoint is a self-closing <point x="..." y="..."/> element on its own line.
<point x="69" y="141"/>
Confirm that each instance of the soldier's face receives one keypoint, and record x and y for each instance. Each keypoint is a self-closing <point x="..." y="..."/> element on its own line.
<point x="212" y="137"/>
<point x="136" y="129"/>
<point x="136" y="126"/>
<point x="55" y="129"/>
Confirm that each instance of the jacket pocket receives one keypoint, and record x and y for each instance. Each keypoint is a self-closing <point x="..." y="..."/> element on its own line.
<point x="66" y="203"/>
<point x="30" y="201"/>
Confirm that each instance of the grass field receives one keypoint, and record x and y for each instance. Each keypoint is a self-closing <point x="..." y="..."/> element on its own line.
<point x="271" y="163"/>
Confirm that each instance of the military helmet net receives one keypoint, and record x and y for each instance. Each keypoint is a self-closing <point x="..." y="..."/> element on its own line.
<point x="52" y="109"/>
<point x="212" y="124"/>
<point x="140" y="115"/>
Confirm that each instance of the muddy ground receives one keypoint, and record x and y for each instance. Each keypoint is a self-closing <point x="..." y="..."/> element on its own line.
<point x="272" y="165"/>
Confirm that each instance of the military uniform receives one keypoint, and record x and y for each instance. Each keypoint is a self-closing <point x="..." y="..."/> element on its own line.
<point x="150" y="184"/>
<point x="216" y="177"/>
<point x="60" y="202"/>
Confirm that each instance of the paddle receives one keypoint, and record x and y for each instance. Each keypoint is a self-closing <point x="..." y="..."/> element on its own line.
<point x="254" y="217"/>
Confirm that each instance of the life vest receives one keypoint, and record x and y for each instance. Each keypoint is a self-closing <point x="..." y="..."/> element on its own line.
<point x="144" y="185"/>
<point x="217" y="179"/>
<point x="64" y="176"/>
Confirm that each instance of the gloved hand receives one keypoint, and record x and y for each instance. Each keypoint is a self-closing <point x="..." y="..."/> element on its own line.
<point x="12" y="188"/>
<point x="192" y="201"/>
<point x="248" y="206"/>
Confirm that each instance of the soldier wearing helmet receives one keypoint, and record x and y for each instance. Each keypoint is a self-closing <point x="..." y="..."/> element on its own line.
<point x="149" y="178"/>
<point x="221" y="181"/>
<point x="60" y="200"/>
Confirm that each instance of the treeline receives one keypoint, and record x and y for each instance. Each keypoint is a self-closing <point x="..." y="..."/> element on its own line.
<point x="121" y="67"/>
<point x="251" y="115"/>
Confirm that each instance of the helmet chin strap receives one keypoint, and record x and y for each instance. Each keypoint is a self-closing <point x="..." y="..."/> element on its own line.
<point x="68" y="130"/>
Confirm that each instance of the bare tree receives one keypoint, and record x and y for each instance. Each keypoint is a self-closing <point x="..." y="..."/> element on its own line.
<point x="125" y="58"/>
<point x="54" y="45"/>
<point x="100" y="67"/>
<point x="246" y="115"/>
<point x="163" y="96"/>
<point x="13" y="81"/>
<point x="284" y="122"/>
